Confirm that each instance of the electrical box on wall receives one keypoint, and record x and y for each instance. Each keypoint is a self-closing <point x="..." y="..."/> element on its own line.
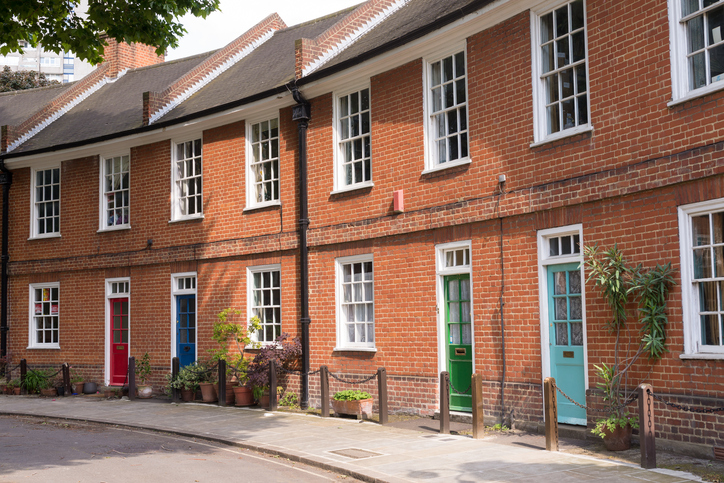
<point x="398" y="201"/>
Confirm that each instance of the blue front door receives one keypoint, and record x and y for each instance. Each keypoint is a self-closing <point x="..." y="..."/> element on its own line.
<point x="565" y="317"/>
<point x="186" y="329"/>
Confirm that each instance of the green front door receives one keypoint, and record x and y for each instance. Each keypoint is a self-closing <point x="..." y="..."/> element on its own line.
<point x="565" y="317"/>
<point x="459" y="340"/>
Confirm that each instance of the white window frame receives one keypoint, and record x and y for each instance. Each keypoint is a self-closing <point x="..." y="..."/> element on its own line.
<point x="103" y="204"/>
<point x="441" y="271"/>
<point x="109" y="296"/>
<point x="342" y="344"/>
<point x="185" y="291"/>
<point x="32" y="344"/>
<point x="175" y="195"/>
<point x="250" y="271"/>
<point x="693" y="349"/>
<point x="432" y="163"/>
<point x="34" y="232"/>
<point x="678" y="42"/>
<point x="540" y="129"/>
<point x="544" y="260"/>
<point x="339" y="158"/>
<point x="251" y="202"/>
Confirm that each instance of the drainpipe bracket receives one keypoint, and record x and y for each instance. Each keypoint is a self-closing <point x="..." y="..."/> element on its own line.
<point x="6" y="178"/>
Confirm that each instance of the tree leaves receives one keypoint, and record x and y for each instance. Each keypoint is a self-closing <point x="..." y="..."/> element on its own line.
<point x="59" y="27"/>
<point x="22" y="79"/>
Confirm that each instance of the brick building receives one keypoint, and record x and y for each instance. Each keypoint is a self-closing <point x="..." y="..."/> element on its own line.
<point x="457" y="155"/>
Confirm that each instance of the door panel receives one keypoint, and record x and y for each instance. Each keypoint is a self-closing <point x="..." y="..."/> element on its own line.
<point x="186" y="329"/>
<point x="119" y="340"/>
<point x="565" y="322"/>
<point x="459" y="342"/>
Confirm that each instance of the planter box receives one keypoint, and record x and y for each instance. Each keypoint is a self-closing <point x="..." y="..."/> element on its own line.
<point x="361" y="409"/>
<point x="50" y="392"/>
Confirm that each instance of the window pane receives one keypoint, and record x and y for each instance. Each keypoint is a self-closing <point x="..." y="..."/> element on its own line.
<point x="576" y="334"/>
<point x="562" y="334"/>
<point x="546" y="23"/>
<point x="710" y="330"/>
<point x="574" y="281"/>
<point x="561" y="307"/>
<point x="708" y="301"/>
<point x="577" y="15"/>
<point x="697" y="71"/>
<point x="576" y="308"/>
<point x="695" y="30"/>
<point x="562" y="21"/>
<point x="700" y="230"/>
<point x="560" y="283"/>
<point x="702" y="263"/>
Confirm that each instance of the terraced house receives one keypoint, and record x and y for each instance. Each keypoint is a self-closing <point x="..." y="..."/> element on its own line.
<point x="407" y="184"/>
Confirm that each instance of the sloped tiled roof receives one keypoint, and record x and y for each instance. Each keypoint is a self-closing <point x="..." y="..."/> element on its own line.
<point x="270" y="65"/>
<point x="115" y="107"/>
<point x="17" y="106"/>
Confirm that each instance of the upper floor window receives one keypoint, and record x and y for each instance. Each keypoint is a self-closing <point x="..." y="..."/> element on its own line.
<point x="560" y="72"/>
<point x="354" y="166"/>
<point x="263" y="163"/>
<point x="447" y="127"/>
<point x="187" y="182"/>
<point x="46" y="202"/>
<point x="115" y="192"/>
<point x="44" y="315"/>
<point x="697" y="50"/>
<point x="701" y="237"/>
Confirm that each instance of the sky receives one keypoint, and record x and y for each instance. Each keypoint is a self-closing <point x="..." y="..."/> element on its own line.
<point x="238" y="16"/>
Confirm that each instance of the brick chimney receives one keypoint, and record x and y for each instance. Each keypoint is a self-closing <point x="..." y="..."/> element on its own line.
<point x="128" y="56"/>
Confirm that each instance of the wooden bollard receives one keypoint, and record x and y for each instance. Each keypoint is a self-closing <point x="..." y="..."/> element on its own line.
<point x="476" y="382"/>
<point x="551" y="413"/>
<point x="444" y="404"/>
<point x="647" y="432"/>
<point x="272" y="385"/>
<point x="382" y="393"/>
<point x="131" y="378"/>
<point x="23" y="374"/>
<point x="222" y="383"/>
<point x="324" y="387"/>
<point x="175" y="368"/>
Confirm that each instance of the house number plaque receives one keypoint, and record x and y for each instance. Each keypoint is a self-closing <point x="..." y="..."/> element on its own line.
<point x="568" y="354"/>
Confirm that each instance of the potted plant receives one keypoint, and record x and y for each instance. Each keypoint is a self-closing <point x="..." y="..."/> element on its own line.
<point x="77" y="380"/>
<point x="285" y="352"/>
<point x="143" y="373"/>
<point x="187" y="381"/>
<point x="353" y="402"/>
<point x="228" y="331"/>
<point x="35" y="381"/>
<point x="14" y="387"/>
<point x="618" y="283"/>
<point x="207" y="382"/>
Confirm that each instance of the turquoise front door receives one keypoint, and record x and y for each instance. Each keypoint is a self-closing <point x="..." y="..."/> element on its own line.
<point x="565" y="317"/>
<point x="459" y="343"/>
<point x="186" y="329"/>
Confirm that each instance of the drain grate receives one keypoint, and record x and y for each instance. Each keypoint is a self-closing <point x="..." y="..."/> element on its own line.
<point x="355" y="453"/>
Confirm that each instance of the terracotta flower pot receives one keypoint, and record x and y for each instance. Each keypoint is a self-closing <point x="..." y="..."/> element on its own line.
<point x="16" y="391"/>
<point x="207" y="392"/>
<point x="50" y="392"/>
<point x="361" y="408"/>
<point x="230" y="394"/>
<point x="79" y="388"/>
<point x="243" y="396"/>
<point x="188" y="395"/>
<point x="619" y="439"/>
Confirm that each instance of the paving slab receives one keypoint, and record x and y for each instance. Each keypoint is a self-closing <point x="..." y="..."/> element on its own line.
<point x="365" y="450"/>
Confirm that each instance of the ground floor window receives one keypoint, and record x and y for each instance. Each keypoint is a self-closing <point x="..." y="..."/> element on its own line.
<point x="266" y="301"/>
<point x="45" y="313"/>
<point x="356" y="306"/>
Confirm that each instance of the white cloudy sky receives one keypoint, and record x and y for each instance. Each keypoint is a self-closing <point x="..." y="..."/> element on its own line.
<point x="238" y="16"/>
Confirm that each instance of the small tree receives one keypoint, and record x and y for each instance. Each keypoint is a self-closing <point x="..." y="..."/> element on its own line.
<point x="23" y="79"/>
<point x="618" y="283"/>
<point x="226" y="332"/>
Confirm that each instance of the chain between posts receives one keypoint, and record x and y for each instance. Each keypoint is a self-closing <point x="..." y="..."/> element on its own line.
<point x="361" y="381"/>
<point x="454" y="389"/>
<point x="297" y="373"/>
<point x="611" y="409"/>
<point x="687" y="408"/>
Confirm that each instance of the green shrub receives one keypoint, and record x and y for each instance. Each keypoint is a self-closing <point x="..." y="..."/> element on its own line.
<point x="351" y="395"/>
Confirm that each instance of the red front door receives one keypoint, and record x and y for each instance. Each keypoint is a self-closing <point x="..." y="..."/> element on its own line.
<point x="119" y="340"/>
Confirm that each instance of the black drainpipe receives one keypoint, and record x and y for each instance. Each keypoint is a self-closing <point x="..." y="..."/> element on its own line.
<point x="502" y="326"/>
<point x="301" y="113"/>
<point x="6" y="179"/>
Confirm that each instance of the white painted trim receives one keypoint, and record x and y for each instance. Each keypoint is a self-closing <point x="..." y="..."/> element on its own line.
<point x="176" y="101"/>
<point x="544" y="261"/>
<point x="351" y="38"/>
<point x="689" y="295"/>
<point x="175" y="215"/>
<point x="107" y="331"/>
<point x="338" y="157"/>
<point x="102" y="222"/>
<point x="440" y="273"/>
<point x="33" y="215"/>
<point x="355" y="187"/>
<point x="31" y="313"/>
<point x="174" y="293"/>
<point x="63" y="110"/>
<point x="540" y="135"/>
<point x="338" y="278"/>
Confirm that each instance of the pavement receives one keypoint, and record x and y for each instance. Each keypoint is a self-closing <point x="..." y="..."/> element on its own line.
<point x="365" y="450"/>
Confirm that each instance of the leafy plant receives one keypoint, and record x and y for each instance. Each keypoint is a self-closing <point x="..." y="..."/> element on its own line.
<point x="618" y="282"/>
<point x="35" y="380"/>
<point x="284" y="351"/>
<point x="226" y="332"/>
<point x="500" y="427"/>
<point x="75" y="376"/>
<point x="351" y="395"/>
<point x="614" y="421"/>
<point x="188" y="377"/>
<point x="143" y="369"/>
<point x="14" y="383"/>
<point x="290" y="399"/>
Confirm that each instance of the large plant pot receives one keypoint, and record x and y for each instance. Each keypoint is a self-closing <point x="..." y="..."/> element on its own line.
<point x="79" y="387"/>
<point x="264" y="400"/>
<point x="207" y="392"/>
<point x="144" y="392"/>
<point x="230" y="394"/>
<point x="243" y="396"/>
<point x="50" y="392"/>
<point x="16" y="391"/>
<point x="619" y="439"/>
<point x="90" y="388"/>
<point x="361" y="408"/>
<point x="188" y="395"/>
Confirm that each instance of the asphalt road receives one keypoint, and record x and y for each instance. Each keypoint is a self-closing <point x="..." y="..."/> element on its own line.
<point x="38" y="450"/>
